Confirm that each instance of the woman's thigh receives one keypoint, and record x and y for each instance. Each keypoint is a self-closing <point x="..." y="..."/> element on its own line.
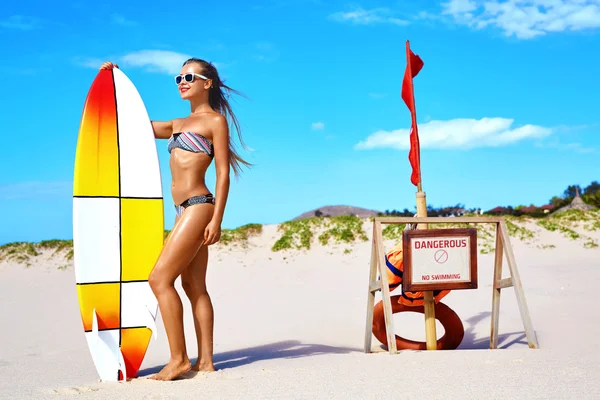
<point x="183" y="242"/>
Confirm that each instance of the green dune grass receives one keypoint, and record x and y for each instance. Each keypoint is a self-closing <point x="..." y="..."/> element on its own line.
<point x="339" y="229"/>
<point x="566" y="222"/>
<point x="23" y="252"/>
<point x="240" y="235"/>
<point x="303" y="234"/>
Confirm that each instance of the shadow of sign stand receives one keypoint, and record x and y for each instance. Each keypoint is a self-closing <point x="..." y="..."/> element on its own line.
<point x="424" y="271"/>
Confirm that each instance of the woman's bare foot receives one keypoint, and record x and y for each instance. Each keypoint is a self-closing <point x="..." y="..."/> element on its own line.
<point x="173" y="370"/>
<point x="203" y="367"/>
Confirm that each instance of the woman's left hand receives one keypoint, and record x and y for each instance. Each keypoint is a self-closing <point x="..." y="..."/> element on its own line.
<point x="212" y="233"/>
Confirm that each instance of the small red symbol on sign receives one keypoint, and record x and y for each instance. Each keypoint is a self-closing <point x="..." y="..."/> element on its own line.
<point x="441" y="256"/>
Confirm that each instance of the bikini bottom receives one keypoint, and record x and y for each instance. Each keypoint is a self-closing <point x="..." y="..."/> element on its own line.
<point x="206" y="199"/>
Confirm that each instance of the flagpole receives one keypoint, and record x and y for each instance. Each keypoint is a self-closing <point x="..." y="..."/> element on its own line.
<point x="421" y="203"/>
<point x="414" y="113"/>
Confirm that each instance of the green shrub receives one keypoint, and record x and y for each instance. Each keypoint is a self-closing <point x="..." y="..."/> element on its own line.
<point x="240" y="234"/>
<point x="339" y="229"/>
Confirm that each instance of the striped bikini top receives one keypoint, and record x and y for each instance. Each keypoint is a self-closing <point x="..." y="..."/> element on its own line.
<point x="190" y="141"/>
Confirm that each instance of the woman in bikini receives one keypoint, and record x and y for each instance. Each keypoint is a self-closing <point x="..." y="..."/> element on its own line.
<point x="193" y="142"/>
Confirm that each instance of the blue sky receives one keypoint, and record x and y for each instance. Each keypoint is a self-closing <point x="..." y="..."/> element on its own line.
<point x="507" y="101"/>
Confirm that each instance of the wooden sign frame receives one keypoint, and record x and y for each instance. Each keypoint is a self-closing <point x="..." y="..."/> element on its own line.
<point x="407" y="282"/>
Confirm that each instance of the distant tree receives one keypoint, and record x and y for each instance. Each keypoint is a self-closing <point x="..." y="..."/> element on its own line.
<point x="591" y="194"/>
<point x="396" y="213"/>
<point x="555" y="201"/>
<point x="592" y="188"/>
<point x="559" y="202"/>
<point x="318" y="213"/>
<point x="571" y="190"/>
<point x="515" y="212"/>
<point x="592" y="199"/>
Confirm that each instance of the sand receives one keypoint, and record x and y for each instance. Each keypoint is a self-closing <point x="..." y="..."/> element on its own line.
<point x="290" y="325"/>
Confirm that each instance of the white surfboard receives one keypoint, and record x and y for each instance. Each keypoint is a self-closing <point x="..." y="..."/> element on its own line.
<point x="118" y="225"/>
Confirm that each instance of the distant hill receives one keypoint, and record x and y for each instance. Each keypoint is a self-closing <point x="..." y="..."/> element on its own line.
<point x="334" y="211"/>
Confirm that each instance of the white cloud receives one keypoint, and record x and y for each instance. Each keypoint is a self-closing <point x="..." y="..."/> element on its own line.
<point x="360" y="16"/>
<point x="460" y="133"/>
<point x="318" y="126"/>
<point x="160" y="61"/>
<point x="34" y="189"/>
<point x="21" y="22"/>
<point x="163" y="61"/>
<point x="525" y="19"/>
<point x="459" y="6"/>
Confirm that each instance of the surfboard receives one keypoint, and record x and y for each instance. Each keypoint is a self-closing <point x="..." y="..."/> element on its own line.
<point x="118" y="225"/>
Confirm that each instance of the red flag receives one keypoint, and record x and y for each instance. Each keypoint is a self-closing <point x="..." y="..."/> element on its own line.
<point x="413" y="66"/>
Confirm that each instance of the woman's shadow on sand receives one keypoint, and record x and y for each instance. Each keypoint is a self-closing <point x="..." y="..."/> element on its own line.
<point x="283" y="349"/>
<point x="297" y="349"/>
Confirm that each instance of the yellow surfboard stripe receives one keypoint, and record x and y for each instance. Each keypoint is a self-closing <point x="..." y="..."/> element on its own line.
<point x="141" y="237"/>
<point x="105" y="299"/>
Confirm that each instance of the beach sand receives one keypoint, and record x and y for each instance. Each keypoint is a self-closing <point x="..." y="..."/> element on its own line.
<point x="290" y="325"/>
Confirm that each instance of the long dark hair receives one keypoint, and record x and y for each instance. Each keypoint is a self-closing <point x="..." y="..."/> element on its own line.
<point x="217" y="99"/>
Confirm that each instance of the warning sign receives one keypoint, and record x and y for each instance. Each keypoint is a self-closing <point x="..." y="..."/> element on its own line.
<point x="440" y="259"/>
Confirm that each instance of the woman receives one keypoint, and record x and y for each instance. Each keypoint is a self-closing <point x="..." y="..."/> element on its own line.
<point x="193" y="142"/>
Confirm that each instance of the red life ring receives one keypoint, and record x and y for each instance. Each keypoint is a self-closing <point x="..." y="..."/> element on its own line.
<point x="454" y="330"/>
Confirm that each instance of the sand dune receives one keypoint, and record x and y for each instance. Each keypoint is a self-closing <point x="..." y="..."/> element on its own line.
<point x="290" y="323"/>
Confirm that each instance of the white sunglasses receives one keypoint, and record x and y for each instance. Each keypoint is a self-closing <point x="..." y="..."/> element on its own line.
<point x="188" y="78"/>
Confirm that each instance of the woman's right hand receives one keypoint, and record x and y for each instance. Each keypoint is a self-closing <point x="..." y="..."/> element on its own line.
<point x="108" y="65"/>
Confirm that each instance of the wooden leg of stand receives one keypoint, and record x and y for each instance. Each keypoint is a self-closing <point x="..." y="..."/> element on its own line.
<point x="385" y="291"/>
<point x="496" y="290"/>
<point x="371" y="295"/>
<point x="516" y="279"/>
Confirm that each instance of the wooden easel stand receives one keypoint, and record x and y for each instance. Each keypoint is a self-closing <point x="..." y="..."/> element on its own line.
<point x="502" y="246"/>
